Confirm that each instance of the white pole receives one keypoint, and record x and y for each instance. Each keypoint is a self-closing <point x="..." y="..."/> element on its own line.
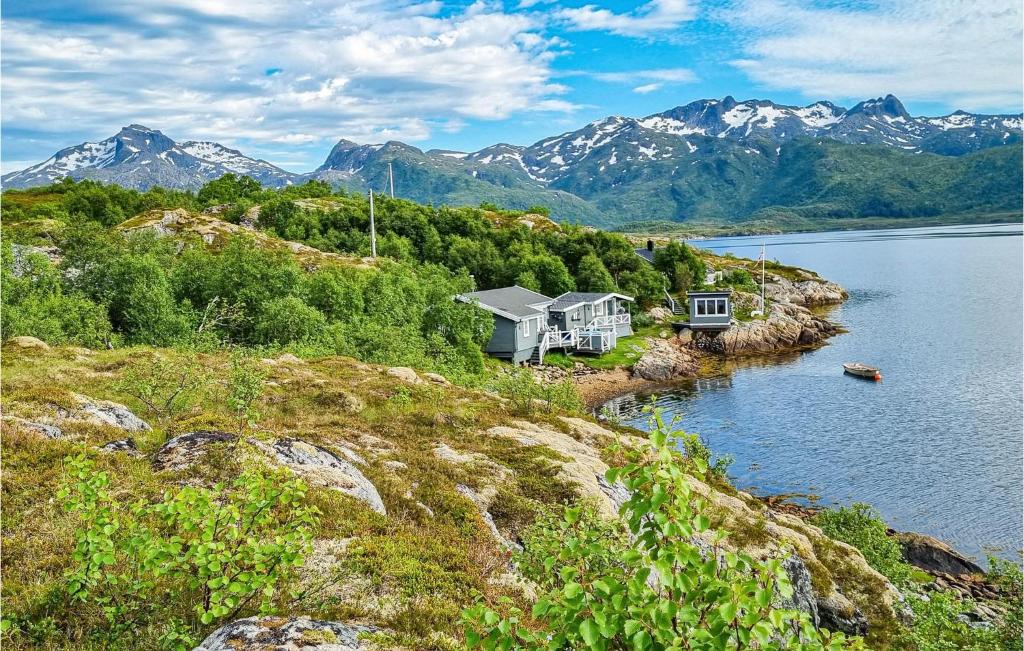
<point x="391" y="181"/>
<point x="762" y="277"/>
<point x="373" y="229"/>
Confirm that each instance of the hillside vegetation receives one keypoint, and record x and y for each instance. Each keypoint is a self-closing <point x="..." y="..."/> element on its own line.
<point x="231" y="425"/>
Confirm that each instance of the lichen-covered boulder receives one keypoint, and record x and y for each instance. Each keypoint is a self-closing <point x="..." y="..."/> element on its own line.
<point x="126" y="446"/>
<point x="933" y="555"/>
<point x="27" y="343"/>
<point x="405" y="374"/>
<point x="285" y="634"/>
<point x="186" y="449"/>
<point x="663" y="361"/>
<point x="105" y="412"/>
<point x="47" y="430"/>
<point x="320" y="466"/>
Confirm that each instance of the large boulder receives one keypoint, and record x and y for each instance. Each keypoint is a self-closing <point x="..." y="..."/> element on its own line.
<point x="27" y="343"/>
<point x="660" y="314"/>
<point x="47" y="430"/>
<point x="286" y="634"/>
<point x="663" y="361"/>
<point x="933" y="555"/>
<point x="321" y="467"/>
<point x="807" y="291"/>
<point x="186" y="449"/>
<point x="106" y="412"/>
<point x="787" y="326"/>
<point x="405" y="374"/>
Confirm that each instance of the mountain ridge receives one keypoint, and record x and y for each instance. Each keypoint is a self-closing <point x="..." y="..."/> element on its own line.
<point x="712" y="143"/>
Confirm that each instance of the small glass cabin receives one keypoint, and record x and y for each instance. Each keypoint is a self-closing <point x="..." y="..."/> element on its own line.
<point x="710" y="310"/>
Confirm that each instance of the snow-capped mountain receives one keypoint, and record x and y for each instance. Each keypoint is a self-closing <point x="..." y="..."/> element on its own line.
<point x="882" y="121"/>
<point x="715" y="158"/>
<point x="139" y="157"/>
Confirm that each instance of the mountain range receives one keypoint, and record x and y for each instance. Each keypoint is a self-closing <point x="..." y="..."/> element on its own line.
<point x="708" y="161"/>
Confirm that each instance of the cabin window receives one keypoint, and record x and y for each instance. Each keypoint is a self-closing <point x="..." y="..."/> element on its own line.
<point x="599" y="309"/>
<point x="526" y="327"/>
<point x="576" y="315"/>
<point x="702" y="308"/>
<point x="721" y="306"/>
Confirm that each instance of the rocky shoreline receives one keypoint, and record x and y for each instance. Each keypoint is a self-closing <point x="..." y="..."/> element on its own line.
<point x="791" y="324"/>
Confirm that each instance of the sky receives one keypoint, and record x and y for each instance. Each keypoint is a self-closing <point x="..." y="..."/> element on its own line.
<point x="284" y="81"/>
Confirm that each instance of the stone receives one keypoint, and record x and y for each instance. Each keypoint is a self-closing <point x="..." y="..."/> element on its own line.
<point x="405" y="374"/>
<point x="105" y="412"/>
<point x="126" y="446"/>
<point x="186" y="449"/>
<point x="786" y="326"/>
<point x="47" y="430"/>
<point x="437" y="379"/>
<point x="809" y="291"/>
<point x="663" y="361"/>
<point x="933" y="555"/>
<point x="27" y="343"/>
<point x="320" y="466"/>
<point x="660" y="314"/>
<point x="483" y="500"/>
<point x="20" y="263"/>
<point x="286" y="634"/>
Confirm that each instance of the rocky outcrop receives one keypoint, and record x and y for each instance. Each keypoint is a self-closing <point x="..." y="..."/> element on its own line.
<point x="405" y="374"/>
<point x="581" y="463"/>
<point x="186" y="449"/>
<point x="27" y="343"/>
<point x="809" y="291"/>
<point x="20" y="253"/>
<point x="286" y="634"/>
<point x="47" y="430"/>
<point x="933" y="555"/>
<point x="664" y="361"/>
<point x="660" y="314"/>
<point x="787" y="326"/>
<point x="105" y="412"/>
<point x="321" y="467"/>
<point x="125" y="446"/>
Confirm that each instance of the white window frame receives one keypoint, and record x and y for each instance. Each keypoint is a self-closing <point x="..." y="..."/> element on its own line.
<point x="526" y="327"/>
<point x="599" y="308"/>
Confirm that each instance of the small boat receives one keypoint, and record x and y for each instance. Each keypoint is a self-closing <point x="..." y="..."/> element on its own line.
<point x="863" y="370"/>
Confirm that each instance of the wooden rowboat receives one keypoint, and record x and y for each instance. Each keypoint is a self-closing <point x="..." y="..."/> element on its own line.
<point x="863" y="370"/>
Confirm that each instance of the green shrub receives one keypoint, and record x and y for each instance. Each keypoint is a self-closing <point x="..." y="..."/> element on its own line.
<point x="937" y="627"/>
<point x="208" y="553"/>
<point x="859" y="525"/>
<point x="646" y="585"/>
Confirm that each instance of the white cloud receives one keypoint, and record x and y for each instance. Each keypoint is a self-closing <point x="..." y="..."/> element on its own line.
<point x="263" y="71"/>
<point x="646" y="88"/>
<point x="674" y="75"/>
<point x="647" y="19"/>
<point x="967" y="54"/>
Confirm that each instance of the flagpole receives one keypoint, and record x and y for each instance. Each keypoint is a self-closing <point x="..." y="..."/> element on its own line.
<point x="762" y="277"/>
<point x="373" y="229"/>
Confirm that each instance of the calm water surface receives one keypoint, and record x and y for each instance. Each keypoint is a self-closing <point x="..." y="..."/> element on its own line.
<point x="937" y="445"/>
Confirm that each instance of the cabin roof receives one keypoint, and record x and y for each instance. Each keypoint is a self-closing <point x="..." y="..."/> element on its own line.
<point x="720" y="293"/>
<point x="645" y="253"/>
<point x="515" y="303"/>
<point x="569" y="300"/>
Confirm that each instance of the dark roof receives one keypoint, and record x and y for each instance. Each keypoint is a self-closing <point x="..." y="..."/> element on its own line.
<point x="569" y="300"/>
<point x="514" y="302"/>
<point x="645" y="253"/>
<point x="714" y="293"/>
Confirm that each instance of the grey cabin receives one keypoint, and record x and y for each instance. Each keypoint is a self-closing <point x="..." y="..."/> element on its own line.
<point x="710" y="310"/>
<point x="528" y="324"/>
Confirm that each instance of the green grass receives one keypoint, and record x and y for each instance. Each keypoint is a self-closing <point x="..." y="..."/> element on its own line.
<point x="622" y="355"/>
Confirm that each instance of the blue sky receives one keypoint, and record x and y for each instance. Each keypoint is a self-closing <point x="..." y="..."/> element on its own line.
<point x="285" y="80"/>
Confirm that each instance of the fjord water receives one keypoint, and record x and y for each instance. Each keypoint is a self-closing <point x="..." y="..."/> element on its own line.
<point x="936" y="446"/>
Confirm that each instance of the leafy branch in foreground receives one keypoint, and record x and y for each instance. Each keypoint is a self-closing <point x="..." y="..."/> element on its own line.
<point x="662" y="581"/>
<point x="214" y="552"/>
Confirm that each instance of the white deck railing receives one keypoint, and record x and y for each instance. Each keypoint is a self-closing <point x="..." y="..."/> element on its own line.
<point x="611" y="320"/>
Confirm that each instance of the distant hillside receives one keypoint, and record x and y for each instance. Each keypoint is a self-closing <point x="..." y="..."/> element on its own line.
<point x="709" y="162"/>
